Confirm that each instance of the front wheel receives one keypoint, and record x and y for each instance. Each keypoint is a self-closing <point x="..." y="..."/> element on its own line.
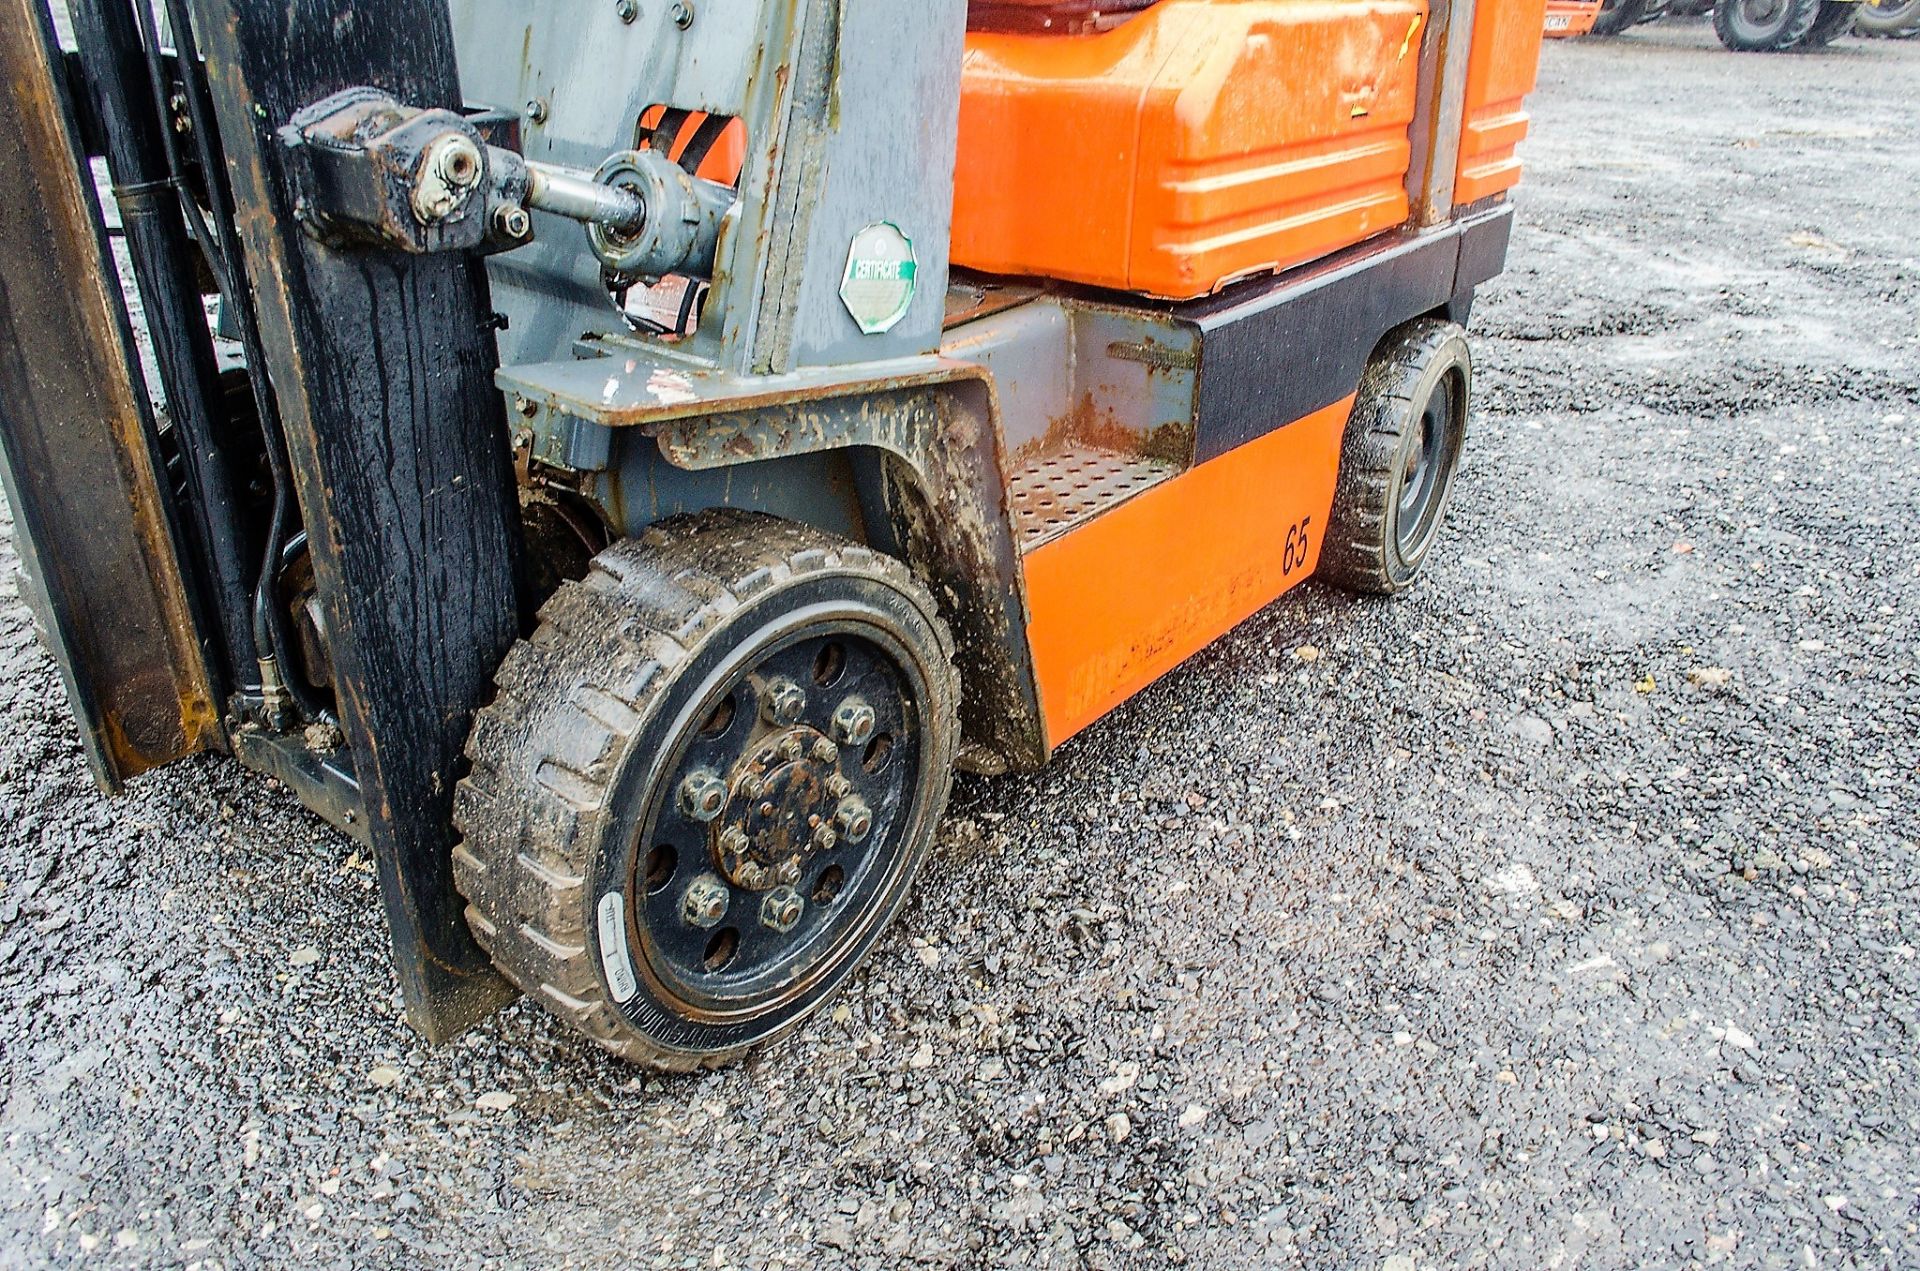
<point x="707" y="783"/>
<point x="1764" y="26"/>
<point x="1398" y="457"/>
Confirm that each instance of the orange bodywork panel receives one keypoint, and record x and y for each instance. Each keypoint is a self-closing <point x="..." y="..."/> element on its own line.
<point x="1568" y="18"/>
<point x="1199" y="142"/>
<point x="1131" y="594"/>
<point x="1501" y="70"/>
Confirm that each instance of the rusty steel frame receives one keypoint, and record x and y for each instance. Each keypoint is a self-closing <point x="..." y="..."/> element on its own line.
<point x="78" y="445"/>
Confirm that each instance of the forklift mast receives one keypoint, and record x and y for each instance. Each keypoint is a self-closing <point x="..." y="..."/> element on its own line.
<point x="583" y="454"/>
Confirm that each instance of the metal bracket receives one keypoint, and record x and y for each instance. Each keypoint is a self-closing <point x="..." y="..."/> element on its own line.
<point x="374" y="172"/>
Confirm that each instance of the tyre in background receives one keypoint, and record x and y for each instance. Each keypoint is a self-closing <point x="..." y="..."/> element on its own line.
<point x="1834" y="20"/>
<point x="1894" y="19"/>
<point x="1617" y="15"/>
<point x="1764" y="26"/>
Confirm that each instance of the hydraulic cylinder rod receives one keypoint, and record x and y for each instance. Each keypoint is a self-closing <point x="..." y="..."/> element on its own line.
<point x="579" y="197"/>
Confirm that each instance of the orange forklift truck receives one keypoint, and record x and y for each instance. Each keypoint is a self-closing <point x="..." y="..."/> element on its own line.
<point x="640" y="451"/>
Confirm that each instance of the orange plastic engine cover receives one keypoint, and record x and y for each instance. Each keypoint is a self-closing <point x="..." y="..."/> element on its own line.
<point x="1502" y="66"/>
<point x="1202" y="141"/>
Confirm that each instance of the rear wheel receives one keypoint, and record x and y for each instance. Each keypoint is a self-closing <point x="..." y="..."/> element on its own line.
<point x="1834" y="20"/>
<point x="707" y="783"/>
<point x="1398" y="457"/>
<point x="1764" y="26"/>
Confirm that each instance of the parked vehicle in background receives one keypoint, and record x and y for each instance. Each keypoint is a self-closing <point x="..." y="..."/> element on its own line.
<point x="1567" y="19"/>
<point x="1746" y="26"/>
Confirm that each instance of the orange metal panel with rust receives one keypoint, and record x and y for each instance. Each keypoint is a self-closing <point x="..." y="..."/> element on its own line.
<point x="1185" y="147"/>
<point x="1133" y="593"/>
<point x="1501" y="71"/>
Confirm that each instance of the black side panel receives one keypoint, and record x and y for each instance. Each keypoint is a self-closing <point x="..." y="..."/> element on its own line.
<point x="1279" y="349"/>
<point x="383" y="365"/>
<point x="91" y="521"/>
<point x="1483" y="247"/>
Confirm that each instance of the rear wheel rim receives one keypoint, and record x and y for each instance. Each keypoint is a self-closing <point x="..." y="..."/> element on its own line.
<point x="1423" y="479"/>
<point x="787" y="775"/>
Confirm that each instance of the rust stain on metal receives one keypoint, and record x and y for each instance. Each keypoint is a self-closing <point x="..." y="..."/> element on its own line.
<point x="83" y="442"/>
<point x="1087" y="424"/>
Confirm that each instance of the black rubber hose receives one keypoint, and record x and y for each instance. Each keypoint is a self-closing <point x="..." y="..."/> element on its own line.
<point x="145" y="179"/>
<point x="269" y="623"/>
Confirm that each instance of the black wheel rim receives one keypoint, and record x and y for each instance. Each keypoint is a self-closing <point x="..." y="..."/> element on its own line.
<point x="816" y="744"/>
<point x="1423" y="478"/>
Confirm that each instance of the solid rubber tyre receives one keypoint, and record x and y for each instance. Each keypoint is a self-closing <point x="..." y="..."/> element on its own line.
<point x="1764" y="26"/>
<point x="1834" y="20"/>
<point x="577" y="759"/>
<point x="1408" y="426"/>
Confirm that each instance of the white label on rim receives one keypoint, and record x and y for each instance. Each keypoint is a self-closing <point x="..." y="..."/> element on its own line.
<point x="613" y="947"/>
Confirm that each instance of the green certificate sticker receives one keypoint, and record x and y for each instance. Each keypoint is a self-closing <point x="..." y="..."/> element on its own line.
<point x="881" y="269"/>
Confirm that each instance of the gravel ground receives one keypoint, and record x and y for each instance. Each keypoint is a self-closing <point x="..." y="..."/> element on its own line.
<point x="1558" y="914"/>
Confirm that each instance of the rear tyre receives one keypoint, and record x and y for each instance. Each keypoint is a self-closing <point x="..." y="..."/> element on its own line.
<point x="1834" y="20"/>
<point x="1898" y="19"/>
<point x="1617" y="15"/>
<point x="707" y="783"/>
<point x="1398" y="458"/>
<point x="1764" y="26"/>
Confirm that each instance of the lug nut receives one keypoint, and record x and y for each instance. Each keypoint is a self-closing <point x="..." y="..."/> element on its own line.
<point x="789" y="872"/>
<point x="790" y="749"/>
<point x="703" y="796"/>
<point x="825" y="751"/>
<point x="705" y="903"/>
<point x="824" y="839"/>
<point x="853" y="722"/>
<point x="838" y="787"/>
<point x="782" y="702"/>
<point x="781" y="910"/>
<point x="733" y="850"/>
<point x="511" y="221"/>
<point x="855" y="819"/>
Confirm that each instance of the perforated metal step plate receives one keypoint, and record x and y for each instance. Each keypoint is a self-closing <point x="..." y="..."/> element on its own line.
<point x="1055" y="492"/>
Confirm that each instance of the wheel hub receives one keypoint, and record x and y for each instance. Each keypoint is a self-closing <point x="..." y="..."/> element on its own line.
<point x="781" y="822"/>
<point x="786" y="795"/>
